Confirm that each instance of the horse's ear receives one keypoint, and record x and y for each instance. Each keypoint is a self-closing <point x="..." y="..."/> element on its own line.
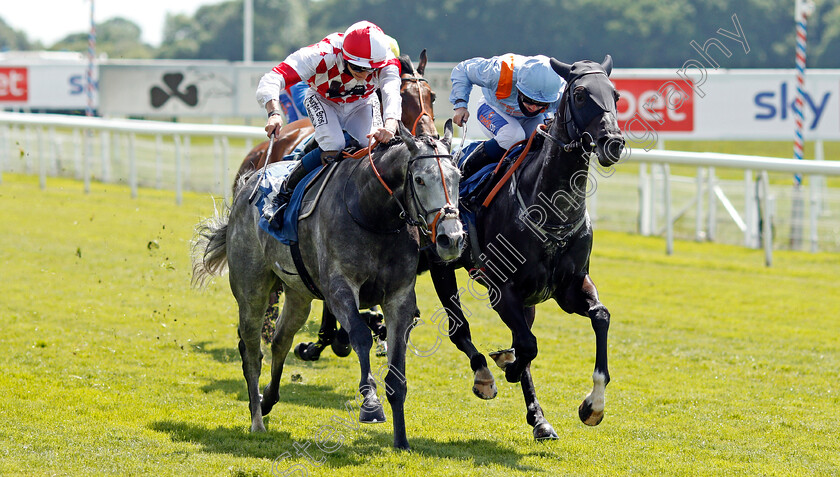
<point x="607" y="64"/>
<point x="423" y="58"/>
<point x="561" y="68"/>
<point x="407" y="138"/>
<point x="447" y="134"/>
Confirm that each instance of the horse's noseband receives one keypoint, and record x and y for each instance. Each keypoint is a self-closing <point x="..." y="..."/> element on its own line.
<point x="448" y="211"/>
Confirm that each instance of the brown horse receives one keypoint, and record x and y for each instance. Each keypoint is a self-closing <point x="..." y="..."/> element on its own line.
<point x="417" y="113"/>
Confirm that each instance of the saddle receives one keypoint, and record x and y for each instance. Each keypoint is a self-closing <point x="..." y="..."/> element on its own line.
<point x="473" y="189"/>
<point x="302" y="202"/>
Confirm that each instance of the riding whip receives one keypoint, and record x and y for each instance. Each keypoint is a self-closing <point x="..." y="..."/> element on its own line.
<point x="262" y="173"/>
<point x="463" y="138"/>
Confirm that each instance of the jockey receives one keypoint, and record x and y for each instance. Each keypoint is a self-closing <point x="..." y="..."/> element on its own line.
<point x="519" y="93"/>
<point x="291" y="102"/>
<point x="291" y="98"/>
<point x="342" y="72"/>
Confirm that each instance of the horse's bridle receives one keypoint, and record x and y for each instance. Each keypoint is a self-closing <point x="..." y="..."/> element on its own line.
<point x="423" y="110"/>
<point x="449" y="210"/>
<point x="576" y="138"/>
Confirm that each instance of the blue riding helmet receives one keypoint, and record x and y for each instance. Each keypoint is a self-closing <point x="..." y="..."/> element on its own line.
<point x="538" y="82"/>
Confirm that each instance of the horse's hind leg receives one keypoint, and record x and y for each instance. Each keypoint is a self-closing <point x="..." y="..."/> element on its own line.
<point x="446" y="286"/>
<point x="294" y="315"/>
<point x="251" y="312"/>
<point x="591" y="410"/>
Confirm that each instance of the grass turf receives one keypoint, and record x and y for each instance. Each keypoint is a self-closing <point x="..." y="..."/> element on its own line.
<point x="112" y="364"/>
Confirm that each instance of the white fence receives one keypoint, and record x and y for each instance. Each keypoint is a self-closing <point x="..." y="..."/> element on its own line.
<point x="164" y="156"/>
<point x="651" y="202"/>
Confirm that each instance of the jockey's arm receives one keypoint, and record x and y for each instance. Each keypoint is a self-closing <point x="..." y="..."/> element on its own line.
<point x="391" y="104"/>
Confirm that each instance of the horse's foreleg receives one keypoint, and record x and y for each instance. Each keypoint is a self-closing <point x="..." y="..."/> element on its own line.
<point x="294" y="315"/>
<point x="401" y="316"/>
<point x="446" y="287"/>
<point x="534" y="414"/>
<point x="344" y="305"/>
<point x="591" y="410"/>
<point x="513" y="314"/>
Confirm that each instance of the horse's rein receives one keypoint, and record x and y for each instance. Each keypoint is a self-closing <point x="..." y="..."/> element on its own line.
<point x="423" y="110"/>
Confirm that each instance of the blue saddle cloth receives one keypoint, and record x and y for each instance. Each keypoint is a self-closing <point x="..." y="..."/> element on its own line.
<point x="267" y="204"/>
<point x="469" y="184"/>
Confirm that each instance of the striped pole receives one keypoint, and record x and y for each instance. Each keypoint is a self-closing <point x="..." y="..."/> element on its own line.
<point x="801" y="12"/>
<point x="803" y="9"/>
<point x="89" y="86"/>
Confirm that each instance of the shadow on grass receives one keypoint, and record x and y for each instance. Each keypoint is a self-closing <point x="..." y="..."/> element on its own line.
<point x="235" y="441"/>
<point x="222" y="355"/>
<point x="476" y="451"/>
<point x="300" y="394"/>
<point x="358" y="447"/>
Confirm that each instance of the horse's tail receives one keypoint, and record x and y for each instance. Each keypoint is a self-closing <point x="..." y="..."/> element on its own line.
<point x="209" y="246"/>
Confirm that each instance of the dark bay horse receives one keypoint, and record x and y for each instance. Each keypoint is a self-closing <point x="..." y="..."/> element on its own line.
<point x="360" y="248"/>
<point x="534" y="239"/>
<point x="417" y="112"/>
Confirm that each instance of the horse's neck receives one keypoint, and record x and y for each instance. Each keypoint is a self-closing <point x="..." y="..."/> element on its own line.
<point x="374" y="200"/>
<point x="555" y="179"/>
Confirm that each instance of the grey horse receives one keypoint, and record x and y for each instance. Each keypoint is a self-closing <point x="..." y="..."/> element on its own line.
<point x="359" y="248"/>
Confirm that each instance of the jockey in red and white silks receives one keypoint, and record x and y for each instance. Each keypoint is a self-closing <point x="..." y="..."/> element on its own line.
<point x="343" y="72"/>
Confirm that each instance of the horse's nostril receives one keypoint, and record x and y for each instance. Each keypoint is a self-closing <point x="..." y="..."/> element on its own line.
<point x="443" y="241"/>
<point x="613" y="148"/>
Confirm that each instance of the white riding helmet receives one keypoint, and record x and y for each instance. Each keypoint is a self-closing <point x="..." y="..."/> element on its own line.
<point x="366" y="45"/>
<point x="538" y="81"/>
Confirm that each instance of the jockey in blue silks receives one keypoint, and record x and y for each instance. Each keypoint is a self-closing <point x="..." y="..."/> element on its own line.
<point x="519" y="93"/>
<point x="291" y="102"/>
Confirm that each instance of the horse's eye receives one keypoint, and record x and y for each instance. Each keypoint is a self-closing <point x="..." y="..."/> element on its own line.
<point x="419" y="181"/>
<point x="434" y="97"/>
<point x="578" y="95"/>
<point x="617" y="96"/>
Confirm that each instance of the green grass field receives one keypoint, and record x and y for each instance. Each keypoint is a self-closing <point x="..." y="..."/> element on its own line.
<point x="112" y="364"/>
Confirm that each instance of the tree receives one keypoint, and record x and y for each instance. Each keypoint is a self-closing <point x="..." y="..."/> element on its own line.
<point x="117" y="38"/>
<point x="11" y="39"/>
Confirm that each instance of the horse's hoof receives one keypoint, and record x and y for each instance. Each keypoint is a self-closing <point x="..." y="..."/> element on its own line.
<point x="307" y="352"/>
<point x="503" y="357"/>
<point x="372" y="416"/>
<point x="484" y="386"/>
<point x="587" y="416"/>
<point x="544" y="432"/>
<point x="257" y="426"/>
<point x="341" y="350"/>
<point x="513" y="373"/>
<point x="267" y="404"/>
<point x="341" y="344"/>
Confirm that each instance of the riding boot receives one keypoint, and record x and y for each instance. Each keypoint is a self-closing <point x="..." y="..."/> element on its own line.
<point x="486" y="153"/>
<point x="306" y="165"/>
